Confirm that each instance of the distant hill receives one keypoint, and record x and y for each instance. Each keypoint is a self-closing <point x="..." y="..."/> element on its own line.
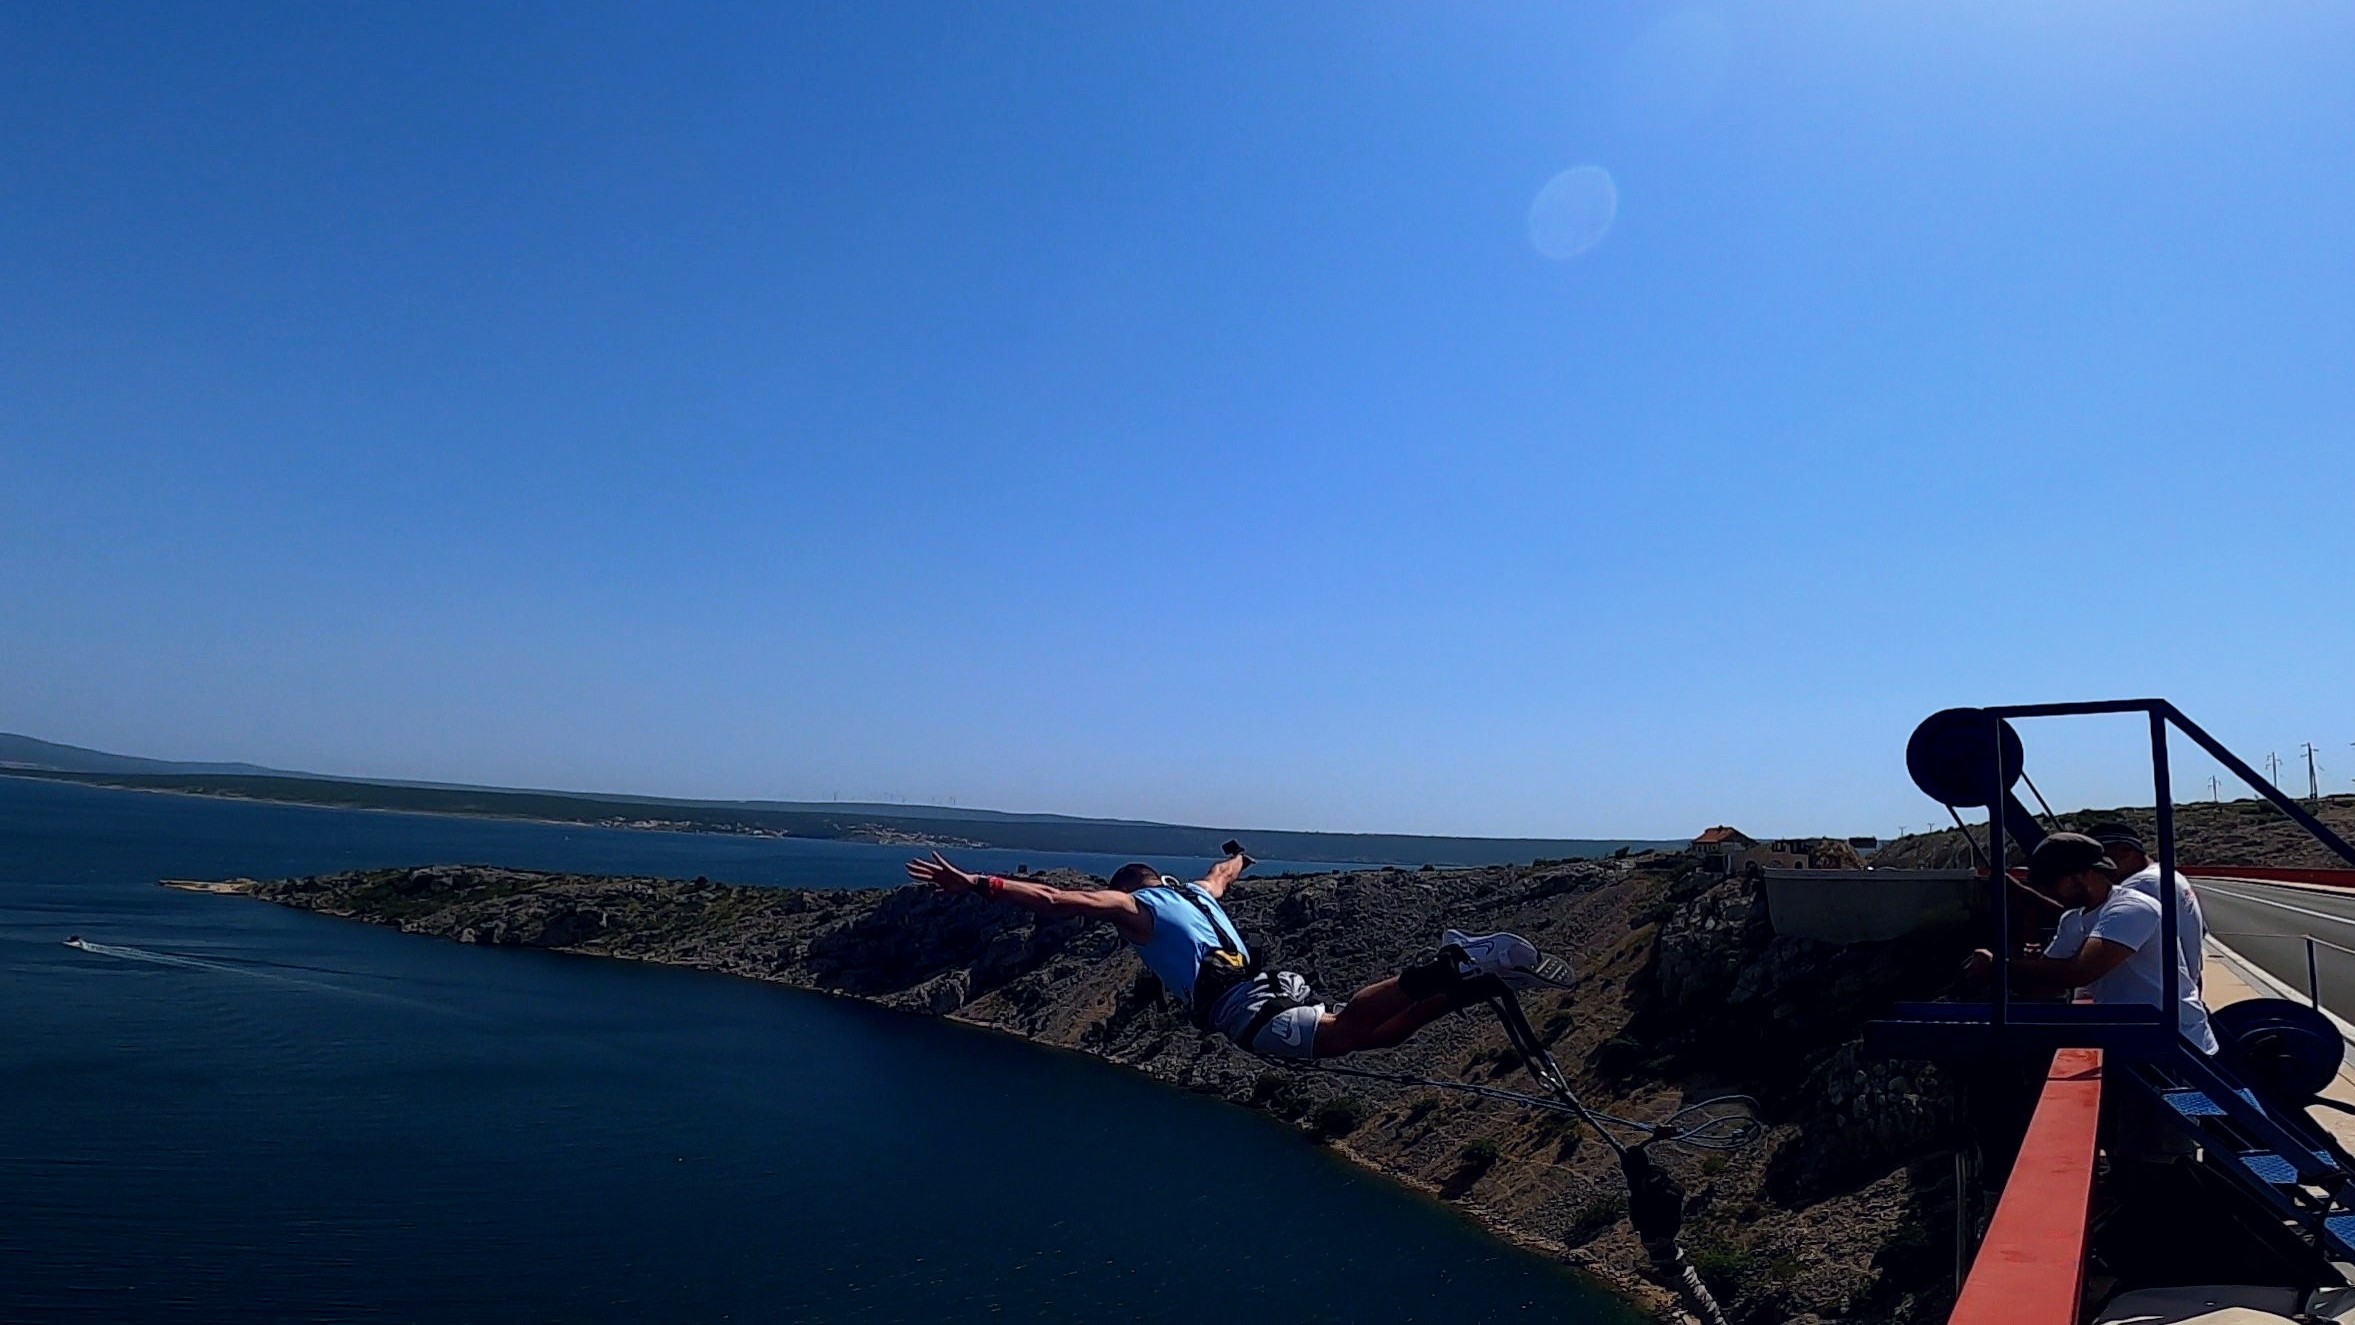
<point x="841" y="821"/>
<point x="2239" y="832"/>
<point x="26" y="752"/>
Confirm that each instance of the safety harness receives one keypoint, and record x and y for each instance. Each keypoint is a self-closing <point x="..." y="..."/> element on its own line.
<point x="1226" y="968"/>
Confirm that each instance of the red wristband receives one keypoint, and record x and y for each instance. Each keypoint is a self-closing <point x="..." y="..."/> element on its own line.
<point x="992" y="886"/>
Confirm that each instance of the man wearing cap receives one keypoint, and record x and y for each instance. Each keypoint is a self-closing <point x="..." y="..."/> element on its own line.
<point x="2136" y="870"/>
<point x="2108" y="945"/>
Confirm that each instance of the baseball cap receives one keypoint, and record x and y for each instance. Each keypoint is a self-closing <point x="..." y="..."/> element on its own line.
<point x="2116" y="835"/>
<point x="2063" y="854"/>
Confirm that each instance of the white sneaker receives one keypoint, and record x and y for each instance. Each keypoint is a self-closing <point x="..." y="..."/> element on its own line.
<point x="1508" y="957"/>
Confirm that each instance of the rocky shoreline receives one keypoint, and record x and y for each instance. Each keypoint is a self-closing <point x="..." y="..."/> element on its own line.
<point x="1684" y="992"/>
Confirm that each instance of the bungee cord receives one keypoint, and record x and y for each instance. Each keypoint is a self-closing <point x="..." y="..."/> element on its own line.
<point x="1719" y="1123"/>
<point x="1655" y="1200"/>
<point x="1722" y="1122"/>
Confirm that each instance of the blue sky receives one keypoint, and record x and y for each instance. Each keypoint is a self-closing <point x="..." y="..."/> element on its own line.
<point x="1171" y="412"/>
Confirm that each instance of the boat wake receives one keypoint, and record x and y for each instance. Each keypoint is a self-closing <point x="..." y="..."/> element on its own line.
<point x="126" y="953"/>
<point x="158" y="958"/>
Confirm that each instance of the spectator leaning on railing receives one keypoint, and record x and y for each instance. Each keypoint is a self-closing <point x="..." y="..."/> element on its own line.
<point x="2108" y="944"/>
<point x="2136" y="870"/>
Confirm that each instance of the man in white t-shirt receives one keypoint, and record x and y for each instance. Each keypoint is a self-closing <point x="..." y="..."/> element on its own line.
<point x="2109" y="944"/>
<point x="2136" y="870"/>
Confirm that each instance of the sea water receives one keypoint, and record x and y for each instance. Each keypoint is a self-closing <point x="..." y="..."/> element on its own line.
<point x="218" y="1109"/>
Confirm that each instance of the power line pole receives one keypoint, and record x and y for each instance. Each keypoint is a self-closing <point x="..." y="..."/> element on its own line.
<point x="2273" y="768"/>
<point x="2313" y="784"/>
<point x="2215" y="789"/>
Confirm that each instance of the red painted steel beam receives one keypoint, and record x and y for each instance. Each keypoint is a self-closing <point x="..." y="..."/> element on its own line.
<point x="2031" y="1267"/>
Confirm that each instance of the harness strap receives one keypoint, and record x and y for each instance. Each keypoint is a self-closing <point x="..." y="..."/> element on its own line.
<point x="1221" y="977"/>
<point x="1277" y="1005"/>
<point x="1219" y="923"/>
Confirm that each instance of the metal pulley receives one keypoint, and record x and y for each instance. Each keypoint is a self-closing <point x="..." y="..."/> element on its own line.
<point x="2286" y="1051"/>
<point x="1965" y="758"/>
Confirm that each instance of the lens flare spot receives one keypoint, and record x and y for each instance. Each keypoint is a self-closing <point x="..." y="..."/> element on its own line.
<point x="1573" y="212"/>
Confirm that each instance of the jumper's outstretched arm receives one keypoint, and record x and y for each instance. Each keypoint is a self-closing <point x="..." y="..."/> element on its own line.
<point x="1117" y="909"/>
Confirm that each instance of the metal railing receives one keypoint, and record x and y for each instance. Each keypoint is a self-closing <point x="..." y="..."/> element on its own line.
<point x="2031" y="1265"/>
<point x="2162" y="715"/>
<point x="2313" y="969"/>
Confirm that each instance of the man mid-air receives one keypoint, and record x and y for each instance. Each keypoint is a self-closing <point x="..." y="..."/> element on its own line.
<point x="1185" y="937"/>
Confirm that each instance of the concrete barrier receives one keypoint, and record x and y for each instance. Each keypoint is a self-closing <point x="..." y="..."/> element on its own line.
<point x="1867" y="906"/>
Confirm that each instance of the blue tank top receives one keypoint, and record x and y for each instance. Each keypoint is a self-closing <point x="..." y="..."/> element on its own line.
<point x="1182" y="936"/>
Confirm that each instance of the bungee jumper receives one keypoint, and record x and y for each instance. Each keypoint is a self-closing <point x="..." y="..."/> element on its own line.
<point x="1185" y="937"/>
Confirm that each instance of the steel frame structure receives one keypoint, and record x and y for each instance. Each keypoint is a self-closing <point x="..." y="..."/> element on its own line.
<point x="1965" y="1030"/>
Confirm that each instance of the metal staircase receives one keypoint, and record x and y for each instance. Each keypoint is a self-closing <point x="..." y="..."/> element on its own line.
<point x="2272" y="1152"/>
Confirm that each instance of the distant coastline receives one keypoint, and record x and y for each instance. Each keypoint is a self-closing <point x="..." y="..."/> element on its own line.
<point x="114" y="782"/>
<point x="918" y="826"/>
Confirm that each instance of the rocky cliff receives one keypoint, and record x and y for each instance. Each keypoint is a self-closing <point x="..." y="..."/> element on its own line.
<point x="1839" y="1215"/>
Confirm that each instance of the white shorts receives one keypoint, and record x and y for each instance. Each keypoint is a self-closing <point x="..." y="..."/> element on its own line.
<point x="1291" y="1033"/>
